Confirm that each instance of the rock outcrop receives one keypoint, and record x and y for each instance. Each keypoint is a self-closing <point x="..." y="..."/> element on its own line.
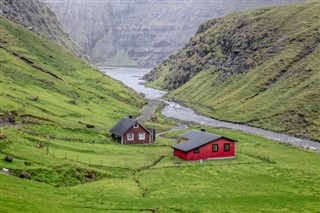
<point x="8" y="158"/>
<point x="36" y="16"/>
<point x="140" y="32"/>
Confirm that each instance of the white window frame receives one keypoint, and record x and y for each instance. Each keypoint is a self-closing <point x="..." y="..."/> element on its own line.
<point x="136" y="125"/>
<point x="144" y="136"/>
<point x="130" y="139"/>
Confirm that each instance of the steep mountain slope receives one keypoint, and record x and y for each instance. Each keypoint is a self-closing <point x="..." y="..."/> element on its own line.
<point x="37" y="16"/>
<point x="140" y="32"/>
<point x="259" y="67"/>
<point x="44" y="84"/>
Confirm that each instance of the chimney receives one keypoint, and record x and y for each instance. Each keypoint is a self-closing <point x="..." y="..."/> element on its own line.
<point x="130" y="116"/>
<point x="203" y="130"/>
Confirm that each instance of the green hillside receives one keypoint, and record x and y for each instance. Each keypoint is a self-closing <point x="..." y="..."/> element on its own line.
<point x="52" y="95"/>
<point x="260" y="67"/>
<point x="36" y="16"/>
<point x="44" y="84"/>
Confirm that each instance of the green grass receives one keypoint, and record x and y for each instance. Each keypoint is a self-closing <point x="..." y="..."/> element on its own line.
<point x="127" y="178"/>
<point x="70" y="93"/>
<point x="290" y="182"/>
<point x="291" y="104"/>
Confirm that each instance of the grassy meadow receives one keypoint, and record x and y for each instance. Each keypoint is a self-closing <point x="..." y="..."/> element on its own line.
<point x="265" y="176"/>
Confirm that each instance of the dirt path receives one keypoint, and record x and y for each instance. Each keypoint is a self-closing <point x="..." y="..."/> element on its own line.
<point x="178" y="126"/>
<point x="149" y="110"/>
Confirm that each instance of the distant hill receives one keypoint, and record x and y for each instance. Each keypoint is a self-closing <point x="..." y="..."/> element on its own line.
<point x="42" y="83"/>
<point x="260" y="67"/>
<point x="140" y="32"/>
<point x="36" y="16"/>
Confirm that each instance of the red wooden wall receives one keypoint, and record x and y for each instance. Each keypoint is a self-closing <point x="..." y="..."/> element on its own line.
<point x="205" y="152"/>
<point x="136" y="131"/>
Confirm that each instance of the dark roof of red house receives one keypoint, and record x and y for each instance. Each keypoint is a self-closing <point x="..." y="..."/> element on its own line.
<point x="122" y="126"/>
<point x="196" y="139"/>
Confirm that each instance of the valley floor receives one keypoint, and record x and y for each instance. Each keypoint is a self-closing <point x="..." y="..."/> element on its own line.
<point x="265" y="176"/>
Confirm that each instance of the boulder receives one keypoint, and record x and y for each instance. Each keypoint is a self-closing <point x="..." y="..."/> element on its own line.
<point x="12" y="120"/>
<point x="35" y="98"/>
<point x="39" y="144"/>
<point x="8" y="158"/>
<point x="91" y="174"/>
<point x="2" y="135"/>
<point x="90" y="126"/>
<point x="27" y="163"/>
<point x="73" y="102"/>
<point x="25" y="175"/>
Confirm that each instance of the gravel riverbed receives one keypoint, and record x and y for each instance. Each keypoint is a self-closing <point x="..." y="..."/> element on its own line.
<point x="174" y="110"/>
<point x="132" y="78"/>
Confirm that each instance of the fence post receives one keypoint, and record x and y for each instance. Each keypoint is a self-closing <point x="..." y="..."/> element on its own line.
<point x="47" y="148"/>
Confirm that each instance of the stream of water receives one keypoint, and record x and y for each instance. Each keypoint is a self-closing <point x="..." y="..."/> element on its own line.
<point x="132" y="78"/>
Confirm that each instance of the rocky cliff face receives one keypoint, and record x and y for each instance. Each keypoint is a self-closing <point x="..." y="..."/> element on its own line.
<point x="37" y="17"/>
<point x="259" y="68"/>
<point x="139" y="32"/>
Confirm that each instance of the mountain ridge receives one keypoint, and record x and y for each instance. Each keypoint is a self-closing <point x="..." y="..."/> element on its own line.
<point x="139" y="33"/>
<point x="259" y="68"/>
<point x="36" y="16"/>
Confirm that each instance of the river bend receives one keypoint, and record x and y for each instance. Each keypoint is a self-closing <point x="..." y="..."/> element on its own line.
<point x="132" y="78"/>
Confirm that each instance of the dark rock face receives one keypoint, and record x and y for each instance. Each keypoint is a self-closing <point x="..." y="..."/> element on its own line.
<point x="232" y="45"/>
<point x="25" y="175"/>
<point x="140" y="32"/>
<point x="36" y="16"/>
<point x="8" y="158"/>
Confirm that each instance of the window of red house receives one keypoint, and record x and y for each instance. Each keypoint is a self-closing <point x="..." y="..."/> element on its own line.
<point x="214" y="147"/>
<point x="226" y="147"/>
<point x="196" y="151"/>
<point x="142" y="136"/>
<point x="130" y="136"/>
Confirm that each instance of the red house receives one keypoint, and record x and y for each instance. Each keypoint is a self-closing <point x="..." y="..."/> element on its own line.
<point x="197" y="145"/>
<point x="130" y="131"/>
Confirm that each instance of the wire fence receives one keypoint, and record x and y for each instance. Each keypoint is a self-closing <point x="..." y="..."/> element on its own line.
<point x="94" y="162"/>
<point x="163" y="162"/>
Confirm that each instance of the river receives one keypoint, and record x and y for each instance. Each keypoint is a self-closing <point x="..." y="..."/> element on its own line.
<point x="132" y="78"/>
